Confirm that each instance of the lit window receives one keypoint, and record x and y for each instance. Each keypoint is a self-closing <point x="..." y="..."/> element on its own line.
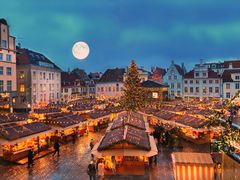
<point x="34" y="88"/>
<point x="22" y="88"/>
<point x="21" y="75"/>
<point x="216" y="90"/>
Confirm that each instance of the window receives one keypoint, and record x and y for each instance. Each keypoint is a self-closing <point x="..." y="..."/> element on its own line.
<point x="210" y="89"/>
<point x="197" y="89"/>
<point x="102" y="89"/>
<point x="197" y="81"/>
<point x="52" y="76"/>
<point x="41" y="87"/>
<point x="44" y="75"/>
<point x="1" y="70"/>
<point x="22" y="88"/>
<point x="236" y="77"/>
<point x="216" y="90"/>
<point x="204" y="74"/>
<point x="178" y="85"/>
<point x="228" y="95"/>
<point x="185" y="81"/>
<point x="8" y="57"/>
<point x="175" y="77"/>
<point x="172" y="85"/>
<point x="185" y="89"/>
<point x="21" y="75"/>
<point x="191" y="89"/>
<point x="34" y="99"/>
<point x="172" y="93"/>
<point x="204" y="81"/>
<point x="237" y="86"/>
<point x="66" y="90"/>
<point x="197" y="74"/>
<point x="204" y="90"/>
<point x="44" y="87"/>
<point x="191" y="81"/>
<point x="109" y="89"/>
<point x="227" y="85"/>
<point x="98" y="89"/>
<point x="34" y="74"/>
<point x="216" y="81"/>
<point x="4" y="43"/>
<point x="50" y="87"/>
<point x="40" y="75"/>
<point x="1" y="56"/>
<point x="210" y="81"/>
<point x="9" y="85"/>
<point x="34" y="87"/>
<point x="9" y="71"/>
<point x="1" y="86"/>
<point x="49" y="76"/>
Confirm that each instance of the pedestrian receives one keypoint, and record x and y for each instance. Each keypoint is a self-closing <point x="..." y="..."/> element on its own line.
<point x="91" y="171"/>
<point x="101" y="170"/>
<point x="91" y="144"/>
<point x="30" y="158"/>
<point x="155" y="159"/>
<point x="73" y="137"/>
<point x="56" y="148"/>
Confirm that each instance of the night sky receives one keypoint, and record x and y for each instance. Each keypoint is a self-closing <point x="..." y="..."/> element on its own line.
<point x="153" y="32"/>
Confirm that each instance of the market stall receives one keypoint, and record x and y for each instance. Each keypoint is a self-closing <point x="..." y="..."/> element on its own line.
<point x="129" y="145"/>
<point x="188" y="166"/>
<point x="16" y="140"/>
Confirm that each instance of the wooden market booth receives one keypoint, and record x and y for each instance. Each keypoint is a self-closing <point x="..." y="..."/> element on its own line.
<point x="129" y="142"/>
<point x="16" y="140"/>
<point x="188" y="166"/>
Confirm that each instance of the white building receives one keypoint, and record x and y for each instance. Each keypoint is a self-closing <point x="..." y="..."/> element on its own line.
<point x="202" y="82"/>
<point x="110" y="85"/>
<point x="38" y="80"/>
<point x="174" y="79"/>
<point x="231" y="82"/>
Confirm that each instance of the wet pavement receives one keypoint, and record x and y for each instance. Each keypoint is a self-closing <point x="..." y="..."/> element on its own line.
<point x="74" y="159"/>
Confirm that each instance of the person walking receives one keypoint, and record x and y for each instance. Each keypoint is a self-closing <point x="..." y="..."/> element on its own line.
<point x="30" y="158"/>
<point x="91" y="171"/>
<point x="101" y="170"/>
<point x="91" y="144"/>
<point x="56" y="148"/>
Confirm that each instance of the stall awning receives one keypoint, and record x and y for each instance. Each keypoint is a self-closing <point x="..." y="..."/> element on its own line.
<point x="192" y="158"/>
<point x="126" y="152"/>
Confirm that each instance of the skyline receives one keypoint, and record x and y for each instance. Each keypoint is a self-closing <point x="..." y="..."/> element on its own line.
<point x="117" y="32"/>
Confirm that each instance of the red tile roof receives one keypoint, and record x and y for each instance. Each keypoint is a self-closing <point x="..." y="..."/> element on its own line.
<point x="189" y="75"/>
<point x="235" y="64"/>
<point x="112" y="75"/>
<point x="211" y="74"/>
<point x="226" y="76"/>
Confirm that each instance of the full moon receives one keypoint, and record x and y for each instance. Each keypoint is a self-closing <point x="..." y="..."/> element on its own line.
<point x="80" y="50"/>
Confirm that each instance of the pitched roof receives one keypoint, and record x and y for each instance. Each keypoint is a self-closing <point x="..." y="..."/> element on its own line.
<point x="152" y="84"/>
<point x="68" y="79"/>
<point x="189" y="75"/>
<point x="112" y="75"/>
<point x="235" y="64"/>
<point x="179" y="69"/>
<point x="211" y="74"/>
<point x="226" y="76"/>
<point x="29" y="57"/>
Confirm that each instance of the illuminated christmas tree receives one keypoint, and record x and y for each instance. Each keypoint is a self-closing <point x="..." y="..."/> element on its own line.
<point x="133" y="97"/>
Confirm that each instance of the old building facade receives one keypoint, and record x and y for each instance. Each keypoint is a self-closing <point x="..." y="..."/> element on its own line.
<point x="7" y="66"/>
